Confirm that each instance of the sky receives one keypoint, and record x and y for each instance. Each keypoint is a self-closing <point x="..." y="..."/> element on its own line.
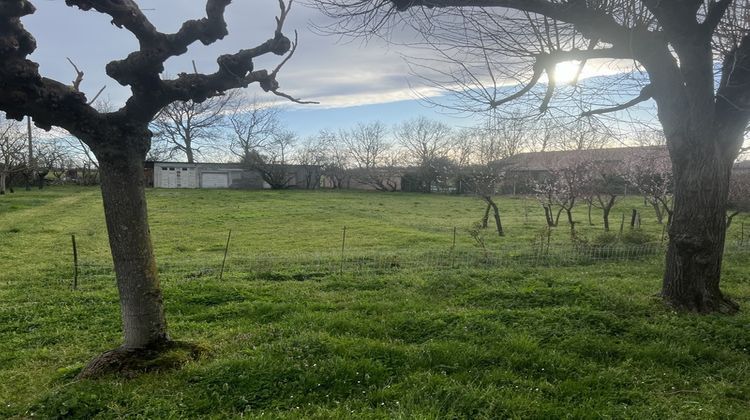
<point x="354" y="81"/>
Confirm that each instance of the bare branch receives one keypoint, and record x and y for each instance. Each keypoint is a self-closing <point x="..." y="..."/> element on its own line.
<point x="97" y="95"/>
<point x="79" y="75"/>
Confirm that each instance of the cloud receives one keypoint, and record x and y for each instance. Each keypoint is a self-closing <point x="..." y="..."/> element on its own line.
<point x="325" y="68"/>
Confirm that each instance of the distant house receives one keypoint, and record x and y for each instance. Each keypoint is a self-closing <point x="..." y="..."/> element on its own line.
<point x="369" y="179"/>
<point x="524" y="168"/>
<point x="533" y="164"/>
<point x="224" y="175"/>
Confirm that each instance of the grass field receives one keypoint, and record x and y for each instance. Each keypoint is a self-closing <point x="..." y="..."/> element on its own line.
<point x="576" y="341"/>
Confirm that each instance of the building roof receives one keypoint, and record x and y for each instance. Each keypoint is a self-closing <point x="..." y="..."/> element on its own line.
<point x="222" y="165"/>
<point x="545" y="161"/>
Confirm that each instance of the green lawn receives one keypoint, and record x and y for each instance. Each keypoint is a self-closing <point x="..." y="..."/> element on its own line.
<point x="520" y="340"/>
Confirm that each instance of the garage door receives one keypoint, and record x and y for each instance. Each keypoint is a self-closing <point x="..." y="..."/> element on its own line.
<point x="215" y="180"/>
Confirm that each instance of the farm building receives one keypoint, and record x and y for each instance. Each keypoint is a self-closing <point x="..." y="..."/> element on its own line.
<point x="523" y="169"/>
<point x="536" y="164"/>
<point x="225" y="175"/>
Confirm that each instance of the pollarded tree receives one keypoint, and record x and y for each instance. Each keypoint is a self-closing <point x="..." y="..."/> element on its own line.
<point x="120" y="139"/>
<point x="679" y="46"/>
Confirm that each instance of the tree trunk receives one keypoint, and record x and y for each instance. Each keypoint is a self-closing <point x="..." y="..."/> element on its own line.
<point x="697" y="231"/>
<point x="3" y="177"/>
<point x="548" y="216"/>
<point x="606" y="211"/>
<point x="496" y="213"/>
<point x="569" y="213"/>
<point x="657" y="209"/>
<point x="591" y="204"/>
<point x="730" y="217"/>
<point x="557" y="218"/>
<point x="123" y="194"/>
<point x="486" y="216"/>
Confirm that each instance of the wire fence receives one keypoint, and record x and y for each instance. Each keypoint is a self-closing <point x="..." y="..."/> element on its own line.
<point x="305" y="266"/>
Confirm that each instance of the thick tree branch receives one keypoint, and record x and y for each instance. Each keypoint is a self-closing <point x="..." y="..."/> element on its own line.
<point x="24" y="92"/>
<point x="591" y="22"/>
<point x="716" y="11"/>
<point x="733" y="95"/>
<point x="645" y="95"/>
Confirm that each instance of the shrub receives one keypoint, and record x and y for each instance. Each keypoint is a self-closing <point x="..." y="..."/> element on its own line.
<point x="636" y="237"/>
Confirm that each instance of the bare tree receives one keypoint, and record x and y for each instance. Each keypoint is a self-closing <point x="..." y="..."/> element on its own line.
<point x="312" y="158"/>
<point x="371" y="155"/>
<point x="253" y="126"/>
<point x="50" y="157"/>
<point x="580" y="135"/>
<point x="272" y="160"/>
<point x="483" y="181"/>
<point x="565" y="183"/>
<point x="606" y="184"/>
<point x="188" y="127"/>
<point x="367" y="143"/>
<point x="12" y="147"/>
<point x="121" y="139"/>
<point x="336" y="159"/>
<point x="674" y="45"/>
<point x="427" y="145"/>
<point x="650" y="172"/>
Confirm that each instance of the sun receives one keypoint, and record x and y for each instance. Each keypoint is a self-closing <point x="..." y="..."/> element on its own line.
<point x="566" y="71"/>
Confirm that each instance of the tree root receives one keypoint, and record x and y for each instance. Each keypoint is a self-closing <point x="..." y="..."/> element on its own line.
<point x="129" y="363"/>
<point x="703" y="303"/>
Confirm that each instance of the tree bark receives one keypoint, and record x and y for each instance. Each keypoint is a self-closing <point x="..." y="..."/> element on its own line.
<point x="496" y="213"/>
<point x="697" y="232"/>
<point x="548" y="215"/>
<point x="657" y="209"/>
<point x="606" y="211"/>
<point x="123" y="194"/>
<point x="569" y="213"/>
<point x="730" y="217"/>
<point x="486" y="216"/>
<point x="3" y="178"/>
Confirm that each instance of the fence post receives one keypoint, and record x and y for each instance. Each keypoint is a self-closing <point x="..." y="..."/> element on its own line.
<point x="622" y="224"/>
<point x="343" y="248"/>
<point x="75" y="262"/>
<point x="226" y="251"/>
<point x="453" y="249"/>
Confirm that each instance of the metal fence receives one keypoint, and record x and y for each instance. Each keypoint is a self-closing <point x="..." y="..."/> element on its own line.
<point x="304" y="266"/>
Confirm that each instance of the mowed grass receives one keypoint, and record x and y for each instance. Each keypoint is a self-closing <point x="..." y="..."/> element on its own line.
<point x="586" y="341"/>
